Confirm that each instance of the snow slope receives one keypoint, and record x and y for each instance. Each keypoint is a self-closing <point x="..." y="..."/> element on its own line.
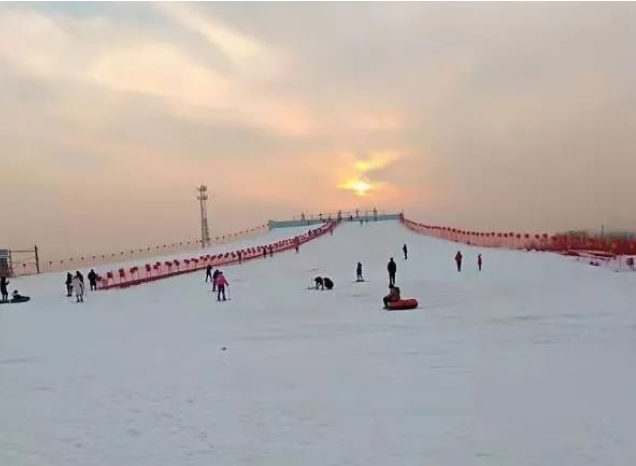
<point x="529" y="362"/>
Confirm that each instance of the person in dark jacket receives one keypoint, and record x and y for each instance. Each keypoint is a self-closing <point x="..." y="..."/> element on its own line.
<point x="392" y="268"/>
<point x="405" y="251"/>
<point x="214" y="275"/>
<point x="328" y="283"/>
<point x="79" y="275"/>
<point x="458" y="260"/>
<point x="69" y="284"/>
<point x="92" y="280"/>
<point x="271" y="251"/>
<point x="208" y="274"/>
<point x="359" y="277"/>
<point x="394" y="295"/>
<point x="479" y="261"/>
<point x="320" y="284"/>
<point x="3" y="288"/>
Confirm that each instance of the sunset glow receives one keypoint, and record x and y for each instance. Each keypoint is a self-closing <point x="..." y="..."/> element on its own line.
<point x="359" y="187"/>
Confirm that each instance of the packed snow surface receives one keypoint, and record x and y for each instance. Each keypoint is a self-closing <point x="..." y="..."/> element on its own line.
<point x="529" y="362"/>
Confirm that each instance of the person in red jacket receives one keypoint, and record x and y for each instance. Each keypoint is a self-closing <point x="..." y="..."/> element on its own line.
<point x="458" y="260"/>
<point x="220" y="283"/>
<point x="479" y="261"/>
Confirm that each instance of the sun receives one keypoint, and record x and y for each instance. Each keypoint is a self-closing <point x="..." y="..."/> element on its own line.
<point x="360" y="187"/>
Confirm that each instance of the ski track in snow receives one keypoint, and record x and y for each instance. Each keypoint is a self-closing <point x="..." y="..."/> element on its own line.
<point x="530" y="362"/>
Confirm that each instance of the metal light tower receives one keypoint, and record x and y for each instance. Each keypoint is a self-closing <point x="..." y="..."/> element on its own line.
<point x="205" y="230"/>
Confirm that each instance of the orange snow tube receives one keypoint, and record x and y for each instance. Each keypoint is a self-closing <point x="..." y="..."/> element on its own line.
<point x="403" y="304"/>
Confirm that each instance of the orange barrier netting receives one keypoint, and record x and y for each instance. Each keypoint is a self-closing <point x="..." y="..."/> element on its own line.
<point x="565" y="244"/>
<point x="151" y="272"/>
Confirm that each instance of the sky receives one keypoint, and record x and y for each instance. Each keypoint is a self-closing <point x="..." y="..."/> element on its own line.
<point x="494" y="116"/>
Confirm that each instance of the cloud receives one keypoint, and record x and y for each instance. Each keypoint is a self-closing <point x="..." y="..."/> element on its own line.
<point x="483" y="115"/>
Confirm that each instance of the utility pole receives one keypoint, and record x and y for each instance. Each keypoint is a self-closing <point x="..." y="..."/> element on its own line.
<point x="205" y="230"/>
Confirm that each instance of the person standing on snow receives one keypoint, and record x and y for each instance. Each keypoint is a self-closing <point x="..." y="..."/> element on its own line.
<point x="479" y="261"/>
<point x="214" y="275"/>
<point x="78" y="288"/>
<point x="79" y="275"/>
<point x="221" y="283"/>
<point x="359" y="277"/>
<point x="392" y="269"/>
<point x="3" y="288"/>
<point x="69" y="284"/>
<point x="405" y="251"/>
<point x="208" y="273"/>
<point x="92" y="280"/>
<point x="458" y="260"/>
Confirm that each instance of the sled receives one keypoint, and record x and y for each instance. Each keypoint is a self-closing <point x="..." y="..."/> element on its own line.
<point x="402" y="305"/>
<point x="21" y="299"/>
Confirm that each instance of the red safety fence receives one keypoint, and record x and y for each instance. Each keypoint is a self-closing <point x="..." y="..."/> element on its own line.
<point x="150" y="272"/>
<point x="561" y="243"/>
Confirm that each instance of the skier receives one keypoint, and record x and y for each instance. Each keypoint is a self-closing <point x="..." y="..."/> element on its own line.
<point x="392" y="268"/>
<point x="394" y="295"/>
<point x="221" y="283"/>
<point x="320" y="284"/>
<point x="406" y="252"/>
<point x="208" y="273"/>
<point x="78" y="287"/>
<point x="328" y="283"/>
<point x="458" y="260"/>
<point x="92" y="280"/>
<point x="69" y="284"/>
<point x="214" y="275"/>
<point x="3" y="288"/>
<point x="479" y="261"/>
<point x="359" y="277"/>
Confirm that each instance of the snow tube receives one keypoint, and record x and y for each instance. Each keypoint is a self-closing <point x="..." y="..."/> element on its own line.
<point x="403" y="304"/>
<point x="21" y="299"/>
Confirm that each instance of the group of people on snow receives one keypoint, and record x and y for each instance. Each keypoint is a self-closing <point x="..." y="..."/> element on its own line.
<point x="219" y="282"/>
<point x="323" y="282"/>
<point x="4" y="291"/>
<point x="75" y="284"/>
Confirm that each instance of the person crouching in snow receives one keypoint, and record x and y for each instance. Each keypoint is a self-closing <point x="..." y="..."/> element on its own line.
<point x="328" y="283"/>
<point x="220" y="283"/>
<point x="394" y="295"/>
<point x="78" y="288"/>
<point x="320" y="284"/>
